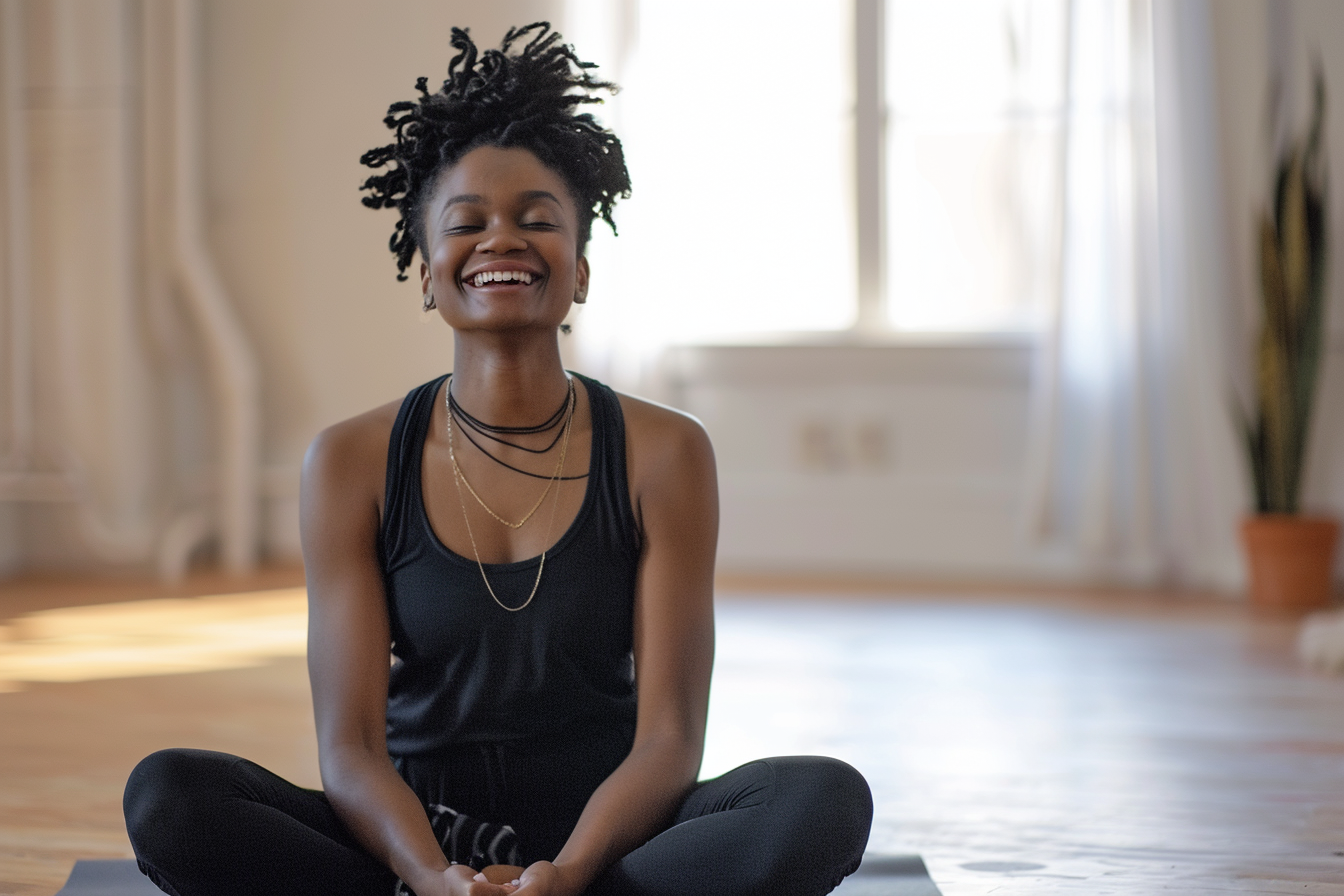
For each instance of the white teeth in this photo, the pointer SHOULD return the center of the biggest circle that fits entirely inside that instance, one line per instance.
(485, 277)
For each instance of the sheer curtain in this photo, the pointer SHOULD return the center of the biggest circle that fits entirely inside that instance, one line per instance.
(736, 120)
(1133, 462)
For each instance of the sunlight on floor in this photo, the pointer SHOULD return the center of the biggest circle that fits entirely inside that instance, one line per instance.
(153, 637)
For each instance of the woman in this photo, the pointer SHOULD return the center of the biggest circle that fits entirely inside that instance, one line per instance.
(535, 551)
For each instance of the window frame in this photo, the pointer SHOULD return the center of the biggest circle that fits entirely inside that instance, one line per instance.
(870, 127)
(871, 130)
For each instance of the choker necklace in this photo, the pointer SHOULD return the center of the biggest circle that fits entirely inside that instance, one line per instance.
(458, 479)
(468, 423)
(487, 429)
(471, 423)
(551, 480)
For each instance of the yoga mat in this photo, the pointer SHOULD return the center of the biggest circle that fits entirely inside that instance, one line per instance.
(889, 876)
(877, 876)
(107, 877)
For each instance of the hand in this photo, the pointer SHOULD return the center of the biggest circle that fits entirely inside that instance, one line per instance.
(463, 880)
(539, 879)
(544, 879)
(500, 874)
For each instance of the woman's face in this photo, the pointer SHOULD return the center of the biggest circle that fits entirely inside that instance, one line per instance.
(502, 237)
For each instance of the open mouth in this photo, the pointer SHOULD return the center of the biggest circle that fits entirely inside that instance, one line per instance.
(484, 278)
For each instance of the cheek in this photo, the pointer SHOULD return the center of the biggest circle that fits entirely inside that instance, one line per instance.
(443, 262)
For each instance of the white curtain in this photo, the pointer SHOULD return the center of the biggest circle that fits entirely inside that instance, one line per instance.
(1133, 465)
(113, 368)
(78, 377)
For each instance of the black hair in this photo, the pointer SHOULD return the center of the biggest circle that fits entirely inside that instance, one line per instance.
(526, 99)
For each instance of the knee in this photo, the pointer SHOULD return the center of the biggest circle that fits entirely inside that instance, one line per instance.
(847, 783)
(830, 792)
(165, 786)
(821, 814)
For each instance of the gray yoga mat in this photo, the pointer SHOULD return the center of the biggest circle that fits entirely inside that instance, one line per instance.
(881, 875)
(107, 877)
(877, 876)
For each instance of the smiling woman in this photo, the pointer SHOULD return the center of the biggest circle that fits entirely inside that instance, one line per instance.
(538, 560)
(502, 237)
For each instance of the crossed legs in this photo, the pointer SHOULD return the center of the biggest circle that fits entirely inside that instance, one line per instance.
(205, 823)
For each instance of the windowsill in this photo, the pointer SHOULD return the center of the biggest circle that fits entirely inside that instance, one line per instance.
(857, 338)
(850, 359)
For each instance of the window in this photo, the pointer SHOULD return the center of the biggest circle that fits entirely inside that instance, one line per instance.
(974, 92)
(799, 168)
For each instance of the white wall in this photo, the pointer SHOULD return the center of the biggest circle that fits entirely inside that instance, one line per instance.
(869, 460)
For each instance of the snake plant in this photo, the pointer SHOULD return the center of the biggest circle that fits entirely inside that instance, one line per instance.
(1293, 255)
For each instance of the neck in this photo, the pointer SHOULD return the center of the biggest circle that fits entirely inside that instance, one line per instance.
(509, 382)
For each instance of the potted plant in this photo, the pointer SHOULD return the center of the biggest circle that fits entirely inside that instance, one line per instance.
(1290, 555)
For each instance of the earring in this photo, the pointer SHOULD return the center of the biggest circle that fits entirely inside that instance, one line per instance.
(429, 302)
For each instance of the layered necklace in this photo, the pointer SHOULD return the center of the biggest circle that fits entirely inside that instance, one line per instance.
(564, 413)
(497, 434)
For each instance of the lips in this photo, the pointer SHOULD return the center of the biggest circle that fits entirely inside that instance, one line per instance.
(506, 276)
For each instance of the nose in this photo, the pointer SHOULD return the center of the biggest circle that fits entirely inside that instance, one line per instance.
(500, 239)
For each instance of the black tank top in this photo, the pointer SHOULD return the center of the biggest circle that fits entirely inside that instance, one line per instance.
(464, 669)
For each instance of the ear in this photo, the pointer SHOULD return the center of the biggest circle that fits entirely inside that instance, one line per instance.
(581, 281)
(424, 278)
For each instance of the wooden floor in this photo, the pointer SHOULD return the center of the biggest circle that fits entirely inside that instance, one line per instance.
(1023, 743)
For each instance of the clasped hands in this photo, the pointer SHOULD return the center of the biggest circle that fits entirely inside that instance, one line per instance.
(537, 879)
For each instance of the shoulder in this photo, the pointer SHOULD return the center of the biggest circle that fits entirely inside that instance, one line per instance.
(358, 439)
(669, 457)
(662, 433)
(351, 456)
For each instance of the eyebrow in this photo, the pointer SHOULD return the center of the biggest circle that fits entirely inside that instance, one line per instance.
(529, 196)
(540, 194)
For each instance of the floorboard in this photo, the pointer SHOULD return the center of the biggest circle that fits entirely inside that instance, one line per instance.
(1022, 743)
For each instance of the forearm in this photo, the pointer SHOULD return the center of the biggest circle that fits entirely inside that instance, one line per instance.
(635, 802)
(384, 815)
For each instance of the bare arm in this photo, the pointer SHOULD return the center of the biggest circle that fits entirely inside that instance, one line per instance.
(674, 486)
(349, 648)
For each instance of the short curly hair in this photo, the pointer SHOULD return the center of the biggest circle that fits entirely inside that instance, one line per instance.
(526, 99)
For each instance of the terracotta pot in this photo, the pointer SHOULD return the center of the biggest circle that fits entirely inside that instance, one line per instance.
(1291, 559)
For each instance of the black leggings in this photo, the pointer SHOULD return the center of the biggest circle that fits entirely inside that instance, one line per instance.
(206, 823)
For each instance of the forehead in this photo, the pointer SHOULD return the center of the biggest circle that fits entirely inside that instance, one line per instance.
(500, 175)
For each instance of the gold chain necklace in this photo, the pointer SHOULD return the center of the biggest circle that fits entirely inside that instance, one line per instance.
(457, 471)
(458, 479)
